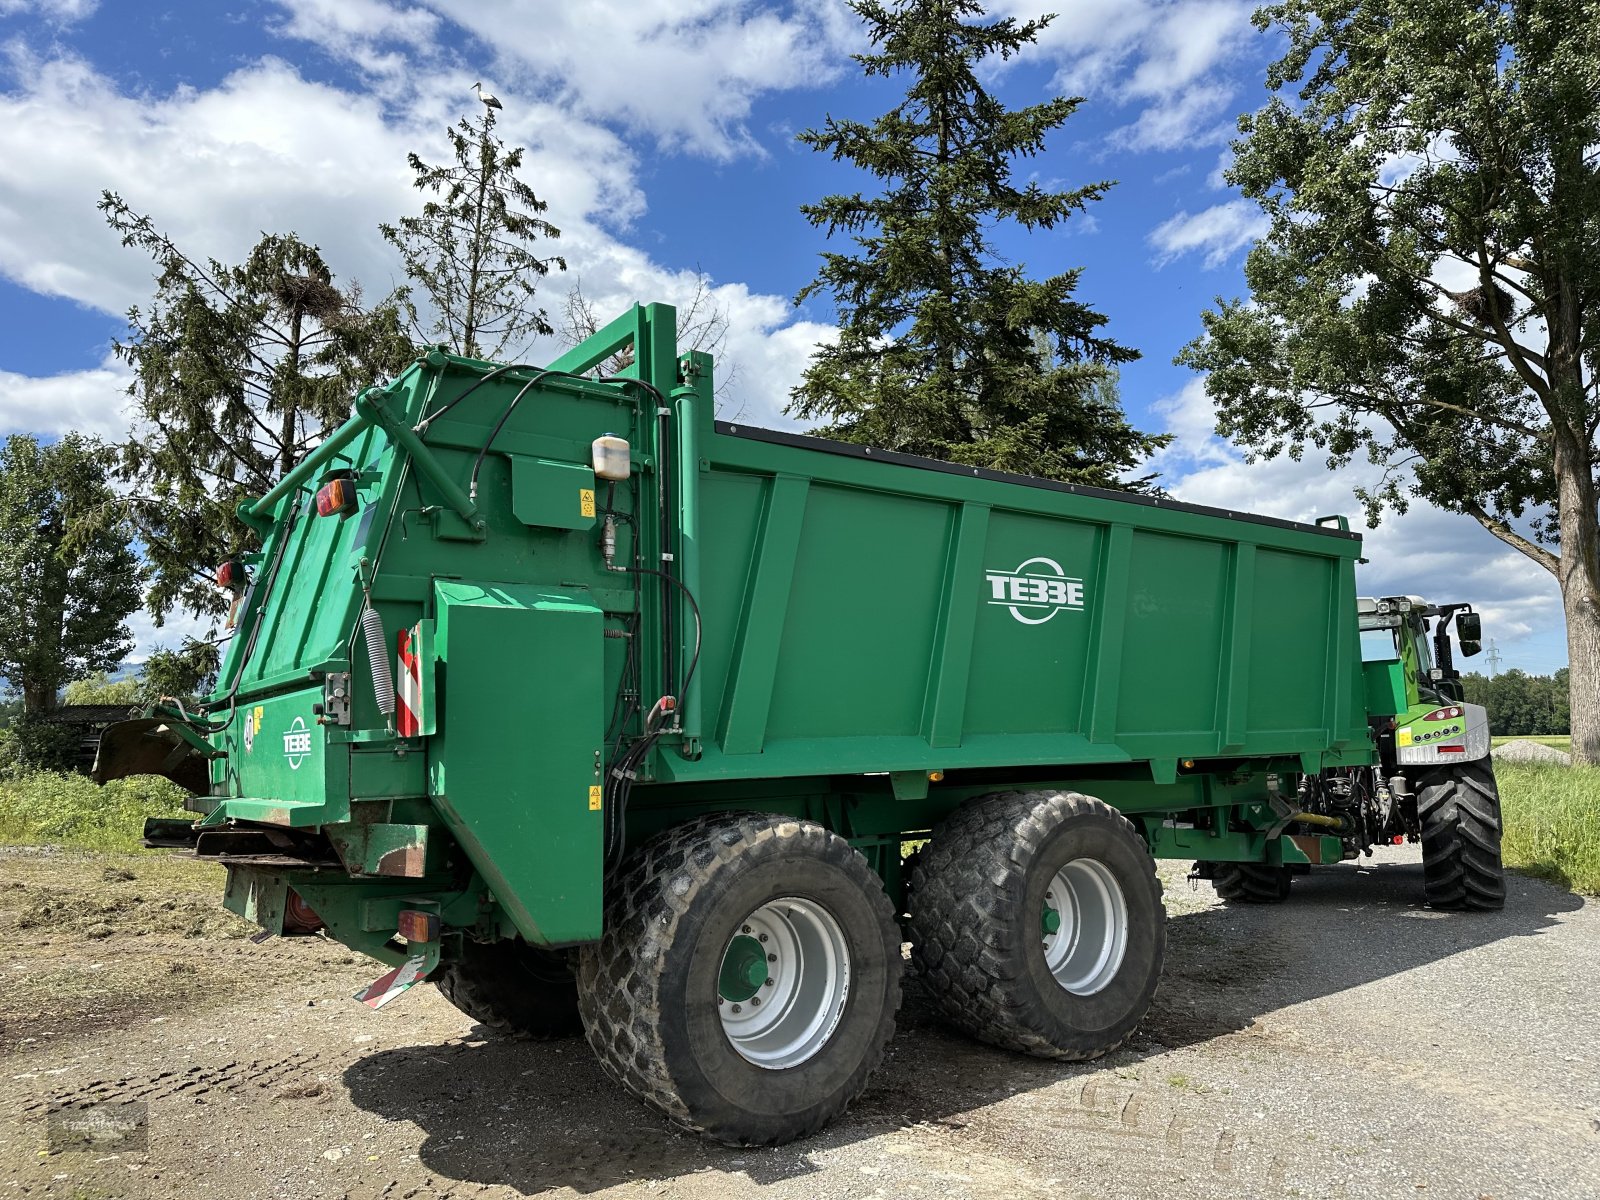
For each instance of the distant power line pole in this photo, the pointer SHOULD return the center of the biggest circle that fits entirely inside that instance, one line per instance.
(1493, 658)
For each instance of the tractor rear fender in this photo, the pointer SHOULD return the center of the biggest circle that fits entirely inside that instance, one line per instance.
(1439, 735)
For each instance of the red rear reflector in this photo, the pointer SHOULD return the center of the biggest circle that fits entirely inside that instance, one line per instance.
(1451, 749)
(336, 497)
(1397, 839)
(418, 926)
(231, 575)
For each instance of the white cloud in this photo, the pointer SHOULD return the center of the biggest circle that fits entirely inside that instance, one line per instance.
(1168, 57)
(89, 401)
(1218, 231)
(375, 35)
(685, 72)
(60, 12)
(266, 149)
(1426, 551)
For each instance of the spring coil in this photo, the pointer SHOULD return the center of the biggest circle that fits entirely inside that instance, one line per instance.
(378, 659)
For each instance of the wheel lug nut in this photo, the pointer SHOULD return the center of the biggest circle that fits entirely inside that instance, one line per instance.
(735, 1008)
(720, 1002)
(772, 958)
(763, 937)
(746, 929)
(770, 982)
(755, 1000)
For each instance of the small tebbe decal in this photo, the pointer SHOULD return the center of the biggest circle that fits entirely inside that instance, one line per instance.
(297, 743)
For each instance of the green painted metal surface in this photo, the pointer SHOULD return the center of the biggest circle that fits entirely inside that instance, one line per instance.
(520, 753)
(880, 640)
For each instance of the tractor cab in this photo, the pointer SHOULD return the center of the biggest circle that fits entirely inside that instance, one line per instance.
(1406, 653)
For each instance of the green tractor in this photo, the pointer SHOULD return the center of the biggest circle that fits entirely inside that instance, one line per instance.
(1434, 781)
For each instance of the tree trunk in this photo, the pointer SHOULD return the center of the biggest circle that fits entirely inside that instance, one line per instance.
(1579, 575)
(286, 450)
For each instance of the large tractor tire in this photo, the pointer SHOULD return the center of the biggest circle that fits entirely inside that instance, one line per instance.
(1459, 809)
(748, 979)
(1037, 923)
(513, 988)
(1251, 883)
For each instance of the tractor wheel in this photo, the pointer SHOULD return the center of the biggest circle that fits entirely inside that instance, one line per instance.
(1251, 883)
(514, 988)
(1459, 810)
(748, 978)
(1037, 923)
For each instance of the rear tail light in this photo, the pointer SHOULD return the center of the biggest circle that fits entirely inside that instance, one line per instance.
(1445, 714)
(230, 575)
(417, 926)
(1451, 749)
(298, 916)
(337, 497)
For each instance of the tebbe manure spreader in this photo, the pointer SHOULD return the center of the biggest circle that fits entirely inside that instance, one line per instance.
(597, 712)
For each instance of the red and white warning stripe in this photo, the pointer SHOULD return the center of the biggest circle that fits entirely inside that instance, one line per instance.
(408, 717)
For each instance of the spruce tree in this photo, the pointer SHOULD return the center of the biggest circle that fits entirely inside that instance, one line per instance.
(945, 349)
(470, 250)
(238, 371)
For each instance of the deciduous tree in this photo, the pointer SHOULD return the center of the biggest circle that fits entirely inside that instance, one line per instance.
(1428, 292)
(68, 575)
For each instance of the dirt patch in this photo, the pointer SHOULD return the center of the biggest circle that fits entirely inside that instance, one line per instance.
(99, 941)
(1345, 1044)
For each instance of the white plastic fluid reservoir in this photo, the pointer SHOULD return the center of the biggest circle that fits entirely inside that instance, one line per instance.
(611, 458)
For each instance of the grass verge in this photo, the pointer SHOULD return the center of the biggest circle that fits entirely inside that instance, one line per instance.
(71, 810)
(1552, 822)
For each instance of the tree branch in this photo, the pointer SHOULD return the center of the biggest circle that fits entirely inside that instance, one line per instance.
(1512, 538)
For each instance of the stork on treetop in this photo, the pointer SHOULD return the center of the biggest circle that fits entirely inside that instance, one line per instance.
(489, 100)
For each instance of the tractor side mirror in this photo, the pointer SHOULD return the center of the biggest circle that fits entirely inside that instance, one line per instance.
(1469, 631)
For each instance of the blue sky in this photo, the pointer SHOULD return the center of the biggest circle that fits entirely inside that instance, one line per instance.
(661, 133)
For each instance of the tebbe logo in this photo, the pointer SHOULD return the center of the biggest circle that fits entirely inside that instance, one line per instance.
(297, 743)
(1036, 591)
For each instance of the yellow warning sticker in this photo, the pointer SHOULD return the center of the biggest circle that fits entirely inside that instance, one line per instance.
(594, 798)
(260, 709)
(1402, 737)
(586, 507)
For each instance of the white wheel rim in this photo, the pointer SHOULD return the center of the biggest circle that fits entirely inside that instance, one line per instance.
(1085, 949)
(783, 982)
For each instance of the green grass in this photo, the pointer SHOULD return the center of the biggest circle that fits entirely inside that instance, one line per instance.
(1560, 741)
(70, 810)
(1552, 822)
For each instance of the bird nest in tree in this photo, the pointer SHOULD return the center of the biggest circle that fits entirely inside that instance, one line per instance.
(310, 294)
(1484, 306)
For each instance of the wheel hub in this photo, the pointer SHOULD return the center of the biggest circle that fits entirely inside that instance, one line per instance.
(1084, 926)
(783, 982)
(744, 970)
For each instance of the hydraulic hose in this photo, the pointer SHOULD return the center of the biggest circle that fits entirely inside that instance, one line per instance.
(1335, 823)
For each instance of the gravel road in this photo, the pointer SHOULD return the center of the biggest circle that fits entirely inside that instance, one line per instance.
(1347, 1044)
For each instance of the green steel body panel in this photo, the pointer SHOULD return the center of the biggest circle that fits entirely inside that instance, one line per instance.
(881, 638)
(518, 763)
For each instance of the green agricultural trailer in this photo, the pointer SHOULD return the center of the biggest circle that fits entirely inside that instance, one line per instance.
(551, 689)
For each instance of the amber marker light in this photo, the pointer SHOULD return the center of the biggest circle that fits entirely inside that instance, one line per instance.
(417, 926)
